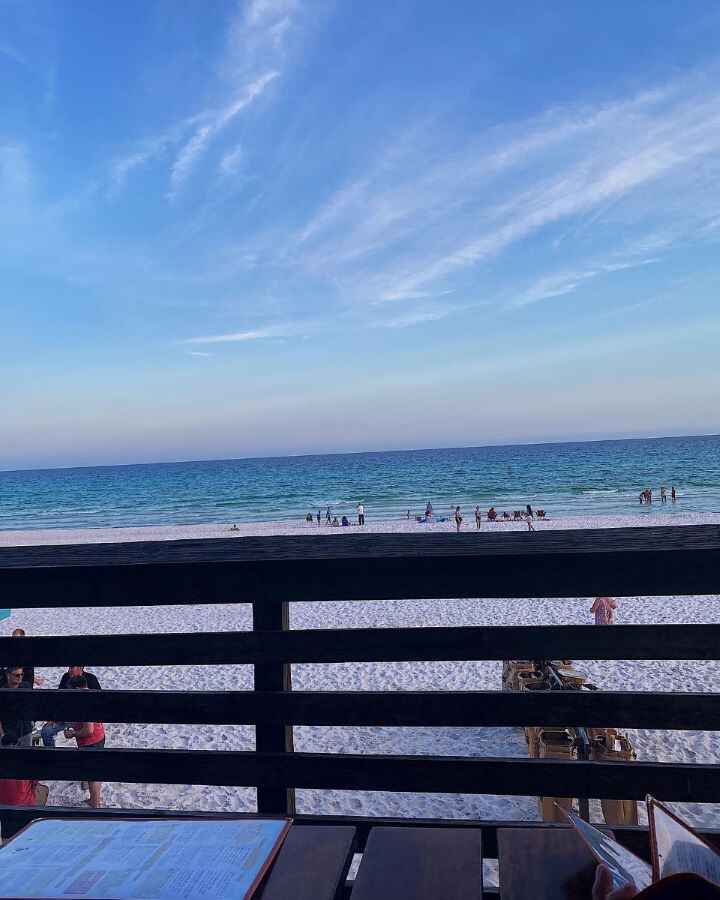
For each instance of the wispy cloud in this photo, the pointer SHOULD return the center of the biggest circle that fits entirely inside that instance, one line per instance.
(400, 185)
(413, 295)
(253, 59)
(259, 29)
(264, 12)
(236, 337)
(231, 162)
(123, 166)
(415, 317)
(150, 149)
(198, 353)
(254, 56)
(406, 227)
(559, 284)
(191, 152)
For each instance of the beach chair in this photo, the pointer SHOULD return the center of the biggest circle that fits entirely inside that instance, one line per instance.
(555, 743)
(513, 669)
(610, 745)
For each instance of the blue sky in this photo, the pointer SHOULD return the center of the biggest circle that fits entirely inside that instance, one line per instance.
(286, 226)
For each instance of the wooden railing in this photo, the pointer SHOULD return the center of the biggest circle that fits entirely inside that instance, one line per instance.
(270, 573)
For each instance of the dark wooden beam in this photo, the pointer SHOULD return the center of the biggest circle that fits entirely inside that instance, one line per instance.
(273, 735)
(368, 645)
(455, 775)
(634, 837)
(622, 561)
(274, 712)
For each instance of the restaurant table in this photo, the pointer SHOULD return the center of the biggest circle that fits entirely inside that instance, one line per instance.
(409, 863)
(544, 864)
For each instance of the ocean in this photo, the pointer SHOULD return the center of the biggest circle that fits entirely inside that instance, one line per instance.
(593, 478)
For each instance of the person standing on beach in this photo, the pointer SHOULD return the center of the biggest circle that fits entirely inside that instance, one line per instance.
(673, 494)
(89, 736)
(478, 516)
(604, 609)
(529, 511)
(328, 517)
(458, 518)
(663, 494)
(319, 516)
(361, 514)
(428, 510)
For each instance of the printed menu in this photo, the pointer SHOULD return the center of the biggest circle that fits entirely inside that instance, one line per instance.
(144, 859)
(677, 852)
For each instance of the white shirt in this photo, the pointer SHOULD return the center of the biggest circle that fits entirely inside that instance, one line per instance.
(361, 509)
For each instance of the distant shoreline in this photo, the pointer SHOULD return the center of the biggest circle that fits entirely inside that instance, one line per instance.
(115, 535)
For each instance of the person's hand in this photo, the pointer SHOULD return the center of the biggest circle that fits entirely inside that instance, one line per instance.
(603, 887)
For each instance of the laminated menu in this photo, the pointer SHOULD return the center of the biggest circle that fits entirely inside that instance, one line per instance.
(141, 859)
(681, 859)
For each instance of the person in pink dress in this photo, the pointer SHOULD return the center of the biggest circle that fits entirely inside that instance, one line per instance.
(604, 609)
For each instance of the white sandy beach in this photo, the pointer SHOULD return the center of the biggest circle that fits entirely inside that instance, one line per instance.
(49, 536)
(651, 745)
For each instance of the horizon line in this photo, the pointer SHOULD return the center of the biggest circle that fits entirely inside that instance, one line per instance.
(176, 462)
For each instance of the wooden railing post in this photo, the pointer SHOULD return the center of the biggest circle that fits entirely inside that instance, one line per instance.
(275, 676)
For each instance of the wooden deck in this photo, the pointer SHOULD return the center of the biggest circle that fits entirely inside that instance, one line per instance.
(269, 573)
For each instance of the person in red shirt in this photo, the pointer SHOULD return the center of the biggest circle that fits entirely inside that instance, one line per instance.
(89, 736)
(50, 729)
(22, 792)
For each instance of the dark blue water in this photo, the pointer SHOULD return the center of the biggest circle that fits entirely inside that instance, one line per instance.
(601, 477)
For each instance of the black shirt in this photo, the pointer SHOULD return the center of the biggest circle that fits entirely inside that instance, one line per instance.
(14, 729)
(92, 681)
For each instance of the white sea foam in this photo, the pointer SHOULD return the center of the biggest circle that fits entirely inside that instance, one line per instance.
(694, 746)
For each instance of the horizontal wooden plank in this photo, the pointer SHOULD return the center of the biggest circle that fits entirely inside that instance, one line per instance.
(336, 545)
(624, 562)
(312, 864)
(455, 775)
(620, 709)
(421, 864)
(368, 645)
(545, 865)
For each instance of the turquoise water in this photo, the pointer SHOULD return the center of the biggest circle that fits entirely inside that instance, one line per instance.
(597, 478)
